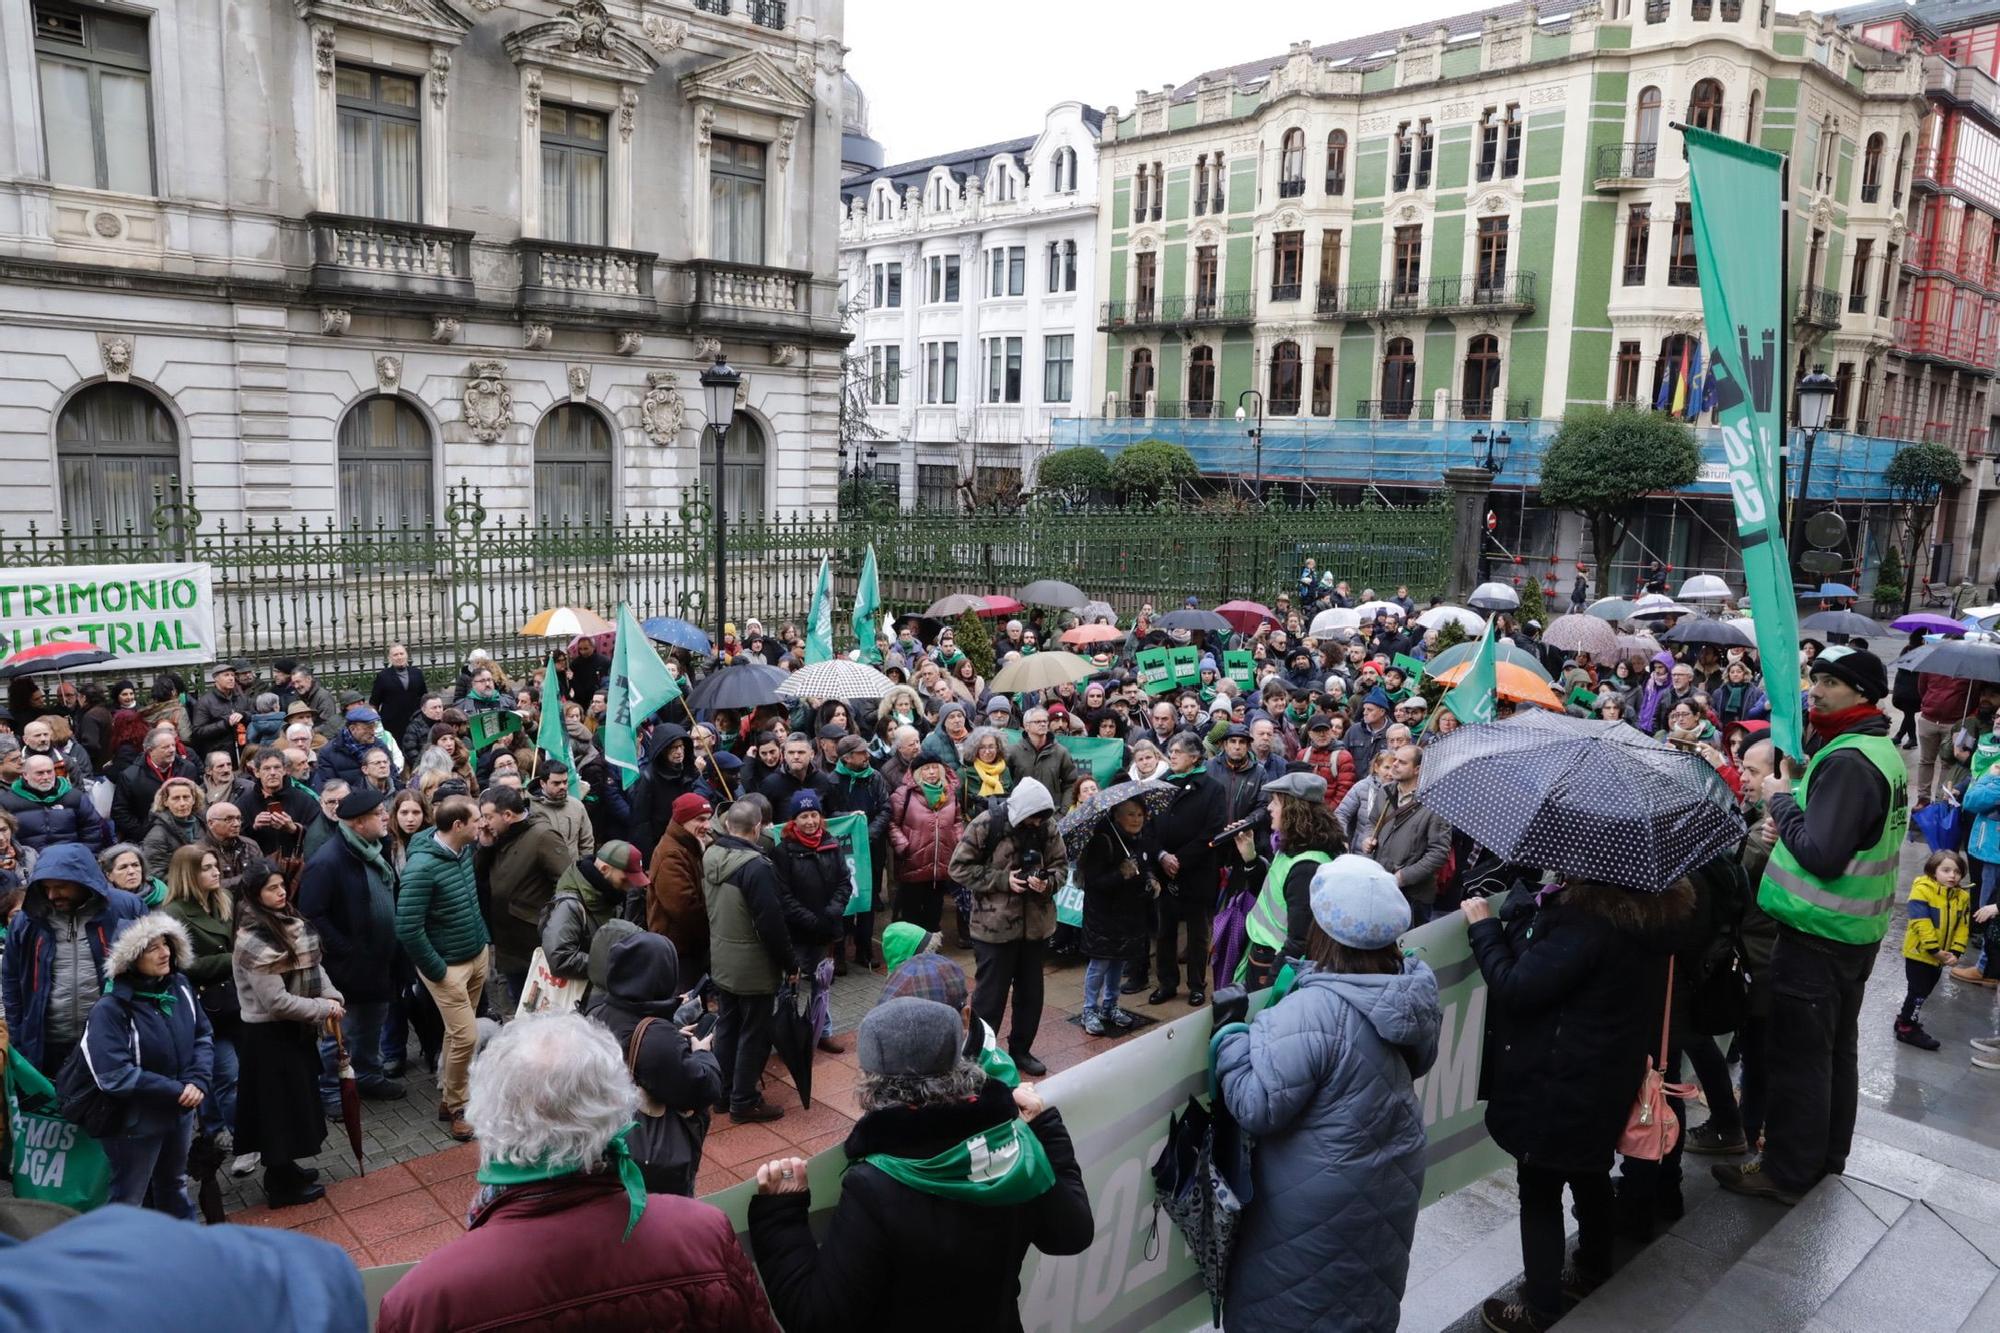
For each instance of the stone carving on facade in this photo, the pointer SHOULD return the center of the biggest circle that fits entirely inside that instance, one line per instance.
(323, 44)
(536, 337)
(333, 321)
(485, 6)
(1416, 67)
(1408, 213)
(445, 328)
(487, 401)
(787, 131)
(704, 124)
(1458, 111)
(1288, 219)
(665, 34)
(115, 350)
(388, 373)
(784, 354)
(631, 342)
(1494, 203)
(661, 411)
(707, 349)
(1504, 50)
(106, 225)
(802, 65)
(628, 113)
(1146, 241)
(1547, 94)
(743, 395)
(440, 76)
(531, 98)
(586, 29)
(579, 383)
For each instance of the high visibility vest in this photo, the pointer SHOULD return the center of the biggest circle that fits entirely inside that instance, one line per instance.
(1268, 917)
(1854, 906)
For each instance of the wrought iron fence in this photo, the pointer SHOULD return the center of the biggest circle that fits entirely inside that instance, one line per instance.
(337, 595)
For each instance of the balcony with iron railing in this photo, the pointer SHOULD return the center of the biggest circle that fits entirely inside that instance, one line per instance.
(557, 276)
(1507, 293)
(1936, 340)
(1291, 188)
(1336, 185)
(1819, 307)
(379, 258)
(1623, 164)
(767, 13)
(1287, 291)
(747, 294)
(1193, 409)
(1477, 408)
(1857, 301)
(1175, 312)
(712, 6)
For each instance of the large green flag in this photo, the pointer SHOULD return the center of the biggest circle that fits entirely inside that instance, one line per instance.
(1737, 193)
(867, 609)
(550, 738)
(638, 685)
(819, 624)
(1472, 699)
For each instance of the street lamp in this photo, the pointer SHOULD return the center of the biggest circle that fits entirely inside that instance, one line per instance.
(1256, 434)
(1490, 451)
(719, 384)
(1815, 405)
(859, 467)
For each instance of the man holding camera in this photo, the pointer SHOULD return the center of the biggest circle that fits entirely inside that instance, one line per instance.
(1012, 859)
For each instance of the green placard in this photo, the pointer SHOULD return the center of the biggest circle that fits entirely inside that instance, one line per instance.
(1412, 668)
(1103, 757)
(1582, 695)
(1240, 667)
(1187, 665)
(1156, 670)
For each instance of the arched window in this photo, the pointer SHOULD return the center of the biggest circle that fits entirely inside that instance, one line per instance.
(1399, 378)
(1871, 168)
(1705, 106)
(742, 489)
(572, 468)
(1482, 377)
(1292, 165)
(1336, 162)
(1062, 170)
(941, 193)
(1139, 380)
(1201, 382)
(114, 444)
(1646, 132)
(1674, 350)
(1282, 398)
(385, 465)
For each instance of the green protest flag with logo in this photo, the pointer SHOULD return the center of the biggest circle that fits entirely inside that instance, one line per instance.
(1240, 667)
(1583, 697)
(639, 683)
(1472, 699)
(1156, 670)
(490, 724)
(550, 738)
(1187, 665)
(1737, 194)
(1103, 757)
(851, 832)
(53, 1160)
(819, 624)
(1411, 666)
(868, 609)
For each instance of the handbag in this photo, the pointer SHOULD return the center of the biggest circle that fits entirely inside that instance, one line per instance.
(1721, 999)
(665, 1144)
(1069, 902)
(82, 1102)
(1651, 1127)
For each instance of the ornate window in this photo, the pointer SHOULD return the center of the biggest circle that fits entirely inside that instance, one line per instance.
(96, 86)
(572, 468)
(385, 465)
(742, 490)
(381, 144)
(1139, 380)
(1482, 376)
(115, 443)
(1292, 165)
(1336, 163)
(1646, 132)
(575, 157)
(1705, 106)
(1399, 378)
(1201, 382)
(1871, 168)
(1282, 397)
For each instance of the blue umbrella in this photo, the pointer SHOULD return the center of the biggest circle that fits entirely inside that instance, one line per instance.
(1830, 590)
(677, 633)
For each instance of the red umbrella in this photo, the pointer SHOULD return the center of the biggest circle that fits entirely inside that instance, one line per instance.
(59, 656)
(1244, 617)
(997, 605)
(350, 1095)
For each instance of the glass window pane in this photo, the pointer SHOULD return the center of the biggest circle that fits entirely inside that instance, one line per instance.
(351, 82)
(584, 125)
(397, 91)
(385, 465)
(587, 192)
(400, 169)
(66, 123)
(128, 132)
(555, 194)
(115, 445)
(357, 164)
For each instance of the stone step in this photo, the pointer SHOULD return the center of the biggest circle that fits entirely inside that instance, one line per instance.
(1653, 1288)
(1924, 1267)
(1985, 1313)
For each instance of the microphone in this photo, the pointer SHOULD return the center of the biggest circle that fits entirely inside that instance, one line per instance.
(1262, 819)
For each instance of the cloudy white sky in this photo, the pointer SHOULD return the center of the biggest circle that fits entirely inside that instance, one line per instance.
(947, 74)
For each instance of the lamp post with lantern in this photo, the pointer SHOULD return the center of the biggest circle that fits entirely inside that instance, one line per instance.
(719, 384)
(1815, 405)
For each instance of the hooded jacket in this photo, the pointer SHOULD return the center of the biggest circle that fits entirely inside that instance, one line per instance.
(750, 948)
(893, 1257)
(814, 886)
(53, 969)
(583, 901)
(437, 907)
(61, 814)
(1323, 1082)
(990, 851)
(643, 981)
(144, 1051)
(661, 783)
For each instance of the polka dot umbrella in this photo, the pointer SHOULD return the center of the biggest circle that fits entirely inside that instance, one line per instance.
(1586, 798)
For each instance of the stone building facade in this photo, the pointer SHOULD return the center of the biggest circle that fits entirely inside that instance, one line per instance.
(328, 259)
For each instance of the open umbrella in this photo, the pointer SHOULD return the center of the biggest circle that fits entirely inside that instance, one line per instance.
(566, 622)
(1655, 604)
(956, 604)
(62, 655)
(1195, 621)
(1504, 652)
(1582, 633)
(1629, 644)
(1705, 588)
(1440, 616)
(350, 1095)
(1700, 629)
(1928, 621)
(1083, 636)
(1951, 657)
(1333, 621)
(1829, 590)
(1493, 597)
(793, 1036)
(997, 605)
(745, 685)
(1053, 592)
(1853, 623)
(1245, 616)
(1041, 671)
(1369, 610)
(1093, 612)
(1980, 617)
(1079, 824)
(1511, 681)
(1613, 609)
(837, 678)
(677, 633)
(1587, 798)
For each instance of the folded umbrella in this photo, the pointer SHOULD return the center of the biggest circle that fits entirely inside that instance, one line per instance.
(836, 678)
(1080, 824)
(1053, 592)
(1587, 798)
(350, 1094)
(745, 685)
(677, 633)
(1582, 633)
(1245, 616)
(793, 1037)
(1041, 671)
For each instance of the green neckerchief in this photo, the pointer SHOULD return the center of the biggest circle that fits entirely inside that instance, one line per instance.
(21, 789)
(491, 697)
(370, 852)
(999, 1166)
(153, 892)
(933, 795)
(162, 997)
(997, 1063)
(845, 771)
(1191, 774)
(531, 1173)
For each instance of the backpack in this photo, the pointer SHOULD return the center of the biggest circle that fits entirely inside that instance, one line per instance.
(665, 1144)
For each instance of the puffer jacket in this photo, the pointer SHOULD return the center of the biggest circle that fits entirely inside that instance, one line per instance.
(1323, 1083)
(1940, 918)
(166, 835)
(62, 814)
(141, 1051)
(55, 961)
(554, 1256)
(437, 906)
(1982, 801)
(986, 855)
(923, 839)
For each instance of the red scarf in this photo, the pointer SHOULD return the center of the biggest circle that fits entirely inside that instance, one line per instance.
(1828, 725)
(794, 833)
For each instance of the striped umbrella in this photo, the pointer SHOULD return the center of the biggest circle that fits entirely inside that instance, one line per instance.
(566, 622)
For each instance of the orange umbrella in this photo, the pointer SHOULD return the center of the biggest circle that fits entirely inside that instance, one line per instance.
(567, 622)
(1084, 635)
(1513, 682)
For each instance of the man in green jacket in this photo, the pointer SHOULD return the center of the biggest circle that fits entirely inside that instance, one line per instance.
(750, 952)
(439, 926)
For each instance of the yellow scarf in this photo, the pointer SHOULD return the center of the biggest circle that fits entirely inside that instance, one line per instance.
(989, 776)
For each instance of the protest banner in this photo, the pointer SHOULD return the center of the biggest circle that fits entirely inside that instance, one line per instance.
(1103, 757)
(851, 832)
(1156, 670)
(145, 615)
(1187, 665)
(1240, 667)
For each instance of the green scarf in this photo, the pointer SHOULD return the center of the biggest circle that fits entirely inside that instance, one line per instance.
(847, 772)
(530, 1173)
(164, 998)
(933, 795)
(999, 1166)
(996, 1062)
(21, 789)
(370, 852)
(1189, 776)
(153, 892)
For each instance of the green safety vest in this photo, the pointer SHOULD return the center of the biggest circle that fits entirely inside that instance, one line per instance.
(1267, 923)
(1854, 906)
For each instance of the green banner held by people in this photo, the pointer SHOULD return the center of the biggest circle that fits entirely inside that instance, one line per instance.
(1472, 699)
(1737, 205)
(639, 683)
(550, 738)
(868, 609)
(851, 832)
(1156, 670)
(1240, 667)
(1187, 665)
(1102, 757)
(819, 624)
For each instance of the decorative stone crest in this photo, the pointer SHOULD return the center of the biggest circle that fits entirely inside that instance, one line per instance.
(535, 337)
(115, 350)
(802, 65)
(743, 394)
(665, 34)
(579, 383)
(628, 113)
(661, 411)
(445, 328)
(106, 225)
(487, 402)
(440, 76)
(333, 321)
(707, 349)
(631, 342)
(1289, 219)
(531, 98)
(323, 44)
(784, 354)
(787, 131)
(388, 373)
(1408, 213)
(1494, 203)
(586, 29)
(1146, 242)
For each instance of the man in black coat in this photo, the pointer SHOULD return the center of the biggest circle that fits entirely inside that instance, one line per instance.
(214, 718)
(1197, 814)
(798, 773)
(276, 811)
(348, 892)
(134, 788)
(398, 692)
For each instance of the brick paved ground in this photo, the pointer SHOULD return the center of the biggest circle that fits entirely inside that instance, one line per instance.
(419, 1181)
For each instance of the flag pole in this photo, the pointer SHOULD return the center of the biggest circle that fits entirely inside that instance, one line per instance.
(692, 724)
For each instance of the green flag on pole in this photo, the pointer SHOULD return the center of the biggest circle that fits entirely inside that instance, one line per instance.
(1736, 202)
(867, 607)
(550, 738)
(1472, 699)
(819, 625)
(639, 683)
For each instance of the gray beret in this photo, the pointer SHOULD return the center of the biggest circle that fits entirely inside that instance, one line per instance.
(908, 1035)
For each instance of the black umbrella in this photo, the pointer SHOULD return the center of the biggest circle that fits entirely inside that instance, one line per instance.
(1591, 799)
(1080, 824)
(1965, 661)
(1195, 621)
(1850, 623)
(745, 685)
(1700, 629)
(793, 1036)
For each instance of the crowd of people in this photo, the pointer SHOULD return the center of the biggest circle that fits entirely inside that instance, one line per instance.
(221, 899)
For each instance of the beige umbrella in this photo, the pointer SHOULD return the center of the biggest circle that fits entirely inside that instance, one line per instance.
(1042, 671)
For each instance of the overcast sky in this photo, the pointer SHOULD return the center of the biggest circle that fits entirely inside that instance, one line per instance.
(945, 76)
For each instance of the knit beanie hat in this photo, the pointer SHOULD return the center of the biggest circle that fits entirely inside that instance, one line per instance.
(1357, 902)
(905, 939)
(908, 1035)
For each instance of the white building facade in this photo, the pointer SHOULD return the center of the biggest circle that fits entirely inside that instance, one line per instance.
(969, 281)
(332, 259)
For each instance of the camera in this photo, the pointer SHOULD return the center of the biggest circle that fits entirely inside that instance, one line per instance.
(1031, 866)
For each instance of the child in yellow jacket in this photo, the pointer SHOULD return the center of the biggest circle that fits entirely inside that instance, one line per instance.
(1940, 922)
